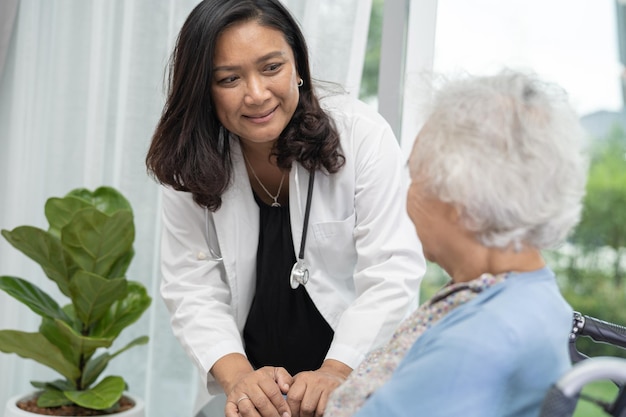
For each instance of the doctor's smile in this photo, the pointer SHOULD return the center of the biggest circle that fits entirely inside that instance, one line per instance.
(262, 117)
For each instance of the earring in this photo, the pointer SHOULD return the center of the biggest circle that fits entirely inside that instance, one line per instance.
(301, 82)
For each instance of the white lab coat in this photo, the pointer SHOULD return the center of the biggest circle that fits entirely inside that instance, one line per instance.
(364, 257)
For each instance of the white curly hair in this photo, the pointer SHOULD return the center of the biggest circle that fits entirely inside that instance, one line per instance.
(507, 151)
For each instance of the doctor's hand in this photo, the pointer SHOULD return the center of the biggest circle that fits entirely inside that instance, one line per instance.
(308, 395)
(251, 393)
(259, 393)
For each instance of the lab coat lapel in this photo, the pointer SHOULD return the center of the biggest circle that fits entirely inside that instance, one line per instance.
(237, 223)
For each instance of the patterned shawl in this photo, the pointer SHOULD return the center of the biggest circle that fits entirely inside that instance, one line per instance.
(379, 365)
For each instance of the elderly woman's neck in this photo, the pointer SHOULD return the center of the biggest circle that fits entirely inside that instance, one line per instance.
(483, 260)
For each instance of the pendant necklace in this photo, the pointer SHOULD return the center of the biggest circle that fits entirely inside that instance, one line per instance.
(280, 187)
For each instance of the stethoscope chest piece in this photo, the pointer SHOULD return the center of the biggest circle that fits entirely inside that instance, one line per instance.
(299, 274)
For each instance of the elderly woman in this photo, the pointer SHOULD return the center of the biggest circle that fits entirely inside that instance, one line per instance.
(497, 175)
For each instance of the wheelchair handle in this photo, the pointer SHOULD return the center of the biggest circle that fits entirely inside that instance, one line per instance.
(561, 399)
(599, 330)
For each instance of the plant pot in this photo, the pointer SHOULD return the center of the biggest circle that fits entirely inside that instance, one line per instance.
(12, 410)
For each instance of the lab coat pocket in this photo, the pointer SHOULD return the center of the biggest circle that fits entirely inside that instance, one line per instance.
(336, 247)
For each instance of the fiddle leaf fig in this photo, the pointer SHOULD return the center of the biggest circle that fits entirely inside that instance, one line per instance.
(35, 346)
(86, 250)
(59, 384)
(123, 312)
(95, 366)
(52, 397)
(60, 211)
(45, 249)
(105, 199)
(92, 295)
(100, 397)
(96, 240)
(29, 294)
(68, 338)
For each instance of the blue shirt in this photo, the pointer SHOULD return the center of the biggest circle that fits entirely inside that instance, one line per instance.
(495, 356)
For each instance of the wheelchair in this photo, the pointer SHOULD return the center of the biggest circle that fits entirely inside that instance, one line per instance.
(563, 397)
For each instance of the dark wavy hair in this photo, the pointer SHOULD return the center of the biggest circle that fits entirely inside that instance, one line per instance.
(190, 149)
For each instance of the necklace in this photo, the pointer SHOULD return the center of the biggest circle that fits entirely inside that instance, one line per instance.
(280, 187)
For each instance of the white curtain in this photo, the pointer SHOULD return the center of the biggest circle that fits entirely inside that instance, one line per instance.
(80, 94)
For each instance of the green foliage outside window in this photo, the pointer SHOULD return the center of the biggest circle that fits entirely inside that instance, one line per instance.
(369, 81)
(592, 272)
(603, 223)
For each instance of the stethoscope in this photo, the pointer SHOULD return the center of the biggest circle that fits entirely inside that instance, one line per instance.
(300, 270)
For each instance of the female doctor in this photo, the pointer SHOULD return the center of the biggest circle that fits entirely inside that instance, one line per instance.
(287, 254)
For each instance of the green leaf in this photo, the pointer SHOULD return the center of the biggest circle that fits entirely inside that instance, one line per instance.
(96, 366)
(95, 240)
(50, 330)
(33, 297)
(72, 342)
(106, 199)
(52, 398)
(123, 312)
(36, 347)
(60, 211)
(45, 249)
(141, 340)
(104, 395)
(92, 295)
(120, 266)
(59, 385)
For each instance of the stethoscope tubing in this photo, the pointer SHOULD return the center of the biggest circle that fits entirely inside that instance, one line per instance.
(307, 211)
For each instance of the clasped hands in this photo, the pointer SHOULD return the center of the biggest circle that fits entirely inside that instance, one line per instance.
(273, 392)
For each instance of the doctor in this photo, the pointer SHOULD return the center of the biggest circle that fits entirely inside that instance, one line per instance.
(287, 254)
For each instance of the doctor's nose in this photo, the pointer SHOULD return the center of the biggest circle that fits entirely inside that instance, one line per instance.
(256, 91)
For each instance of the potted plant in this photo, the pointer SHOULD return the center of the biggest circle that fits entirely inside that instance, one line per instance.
(86, 251)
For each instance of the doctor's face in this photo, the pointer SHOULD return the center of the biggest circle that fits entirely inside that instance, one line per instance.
(255, 82)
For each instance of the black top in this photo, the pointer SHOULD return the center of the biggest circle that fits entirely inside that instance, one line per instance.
(283, 328)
